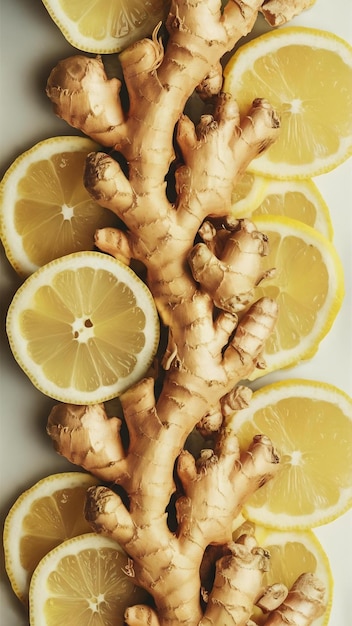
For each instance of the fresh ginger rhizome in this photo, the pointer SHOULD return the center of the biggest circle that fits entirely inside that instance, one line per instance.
(202, 267)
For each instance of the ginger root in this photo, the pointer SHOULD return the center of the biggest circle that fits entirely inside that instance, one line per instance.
(167, 508)
(304, 603)
(278, 12)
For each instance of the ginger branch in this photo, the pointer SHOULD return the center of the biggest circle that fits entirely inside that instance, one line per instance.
(304, 603)
(202, 268)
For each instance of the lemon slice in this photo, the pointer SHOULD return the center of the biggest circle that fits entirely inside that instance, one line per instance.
(310, 425)
(83, 581)
(41, 518)
(292, 553)
(46, 212)
(308, 285)
(83, 327)
(306, 74)
(105, 26)
(298, 199)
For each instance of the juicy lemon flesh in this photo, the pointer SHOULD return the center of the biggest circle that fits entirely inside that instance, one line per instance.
(300, 286)
(293, 204)
(100, 19)
(309, 435)
(50, 521)
(54, 213)
(303, 104)
(89, 588)
(68, 325)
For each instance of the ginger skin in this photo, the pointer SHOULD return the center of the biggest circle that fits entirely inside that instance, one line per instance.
(199, 289)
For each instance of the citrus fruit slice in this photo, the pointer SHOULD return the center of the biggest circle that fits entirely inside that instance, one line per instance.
(46, 212)
(41, 518)
(83, 327)
(293, 68)
(83, 581)
(292, 553)
(310, 425)
(298, 199)
(105, 26)
(308, 284)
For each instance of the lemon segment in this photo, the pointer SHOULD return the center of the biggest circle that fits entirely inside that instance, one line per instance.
(83, 581)
(310, 425)
(43, 516)
(46, 212)
(105, 26)
(83, 327)
(308, 284)
(293, 68)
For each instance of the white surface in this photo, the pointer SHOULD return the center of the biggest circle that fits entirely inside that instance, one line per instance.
(30, 46)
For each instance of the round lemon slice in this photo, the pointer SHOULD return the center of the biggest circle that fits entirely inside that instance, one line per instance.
(294, 68)
(105, 26)
(310, 425)
(46, 212)
(308, 284)
(43, 516)
(84, 328)
(83, 581)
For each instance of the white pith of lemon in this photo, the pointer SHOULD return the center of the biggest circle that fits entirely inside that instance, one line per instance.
(84, 328)
(83, 581)
(105, 26)
(42, 517)
(308, 284)
(292, 68)
(297, 199)
(46, 212)
(310, 425)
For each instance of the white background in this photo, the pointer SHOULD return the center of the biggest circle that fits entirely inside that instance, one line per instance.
(31, 45)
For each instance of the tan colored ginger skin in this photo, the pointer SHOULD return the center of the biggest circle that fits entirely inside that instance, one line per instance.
(199, 290)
